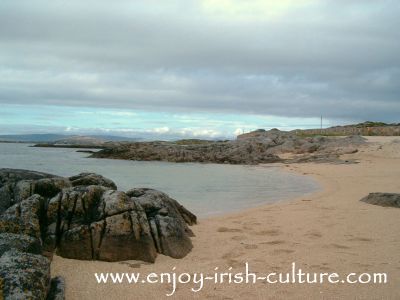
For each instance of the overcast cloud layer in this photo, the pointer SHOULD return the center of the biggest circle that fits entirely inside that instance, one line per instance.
(298, 58)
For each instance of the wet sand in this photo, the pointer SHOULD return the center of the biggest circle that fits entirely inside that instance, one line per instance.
(328, 231)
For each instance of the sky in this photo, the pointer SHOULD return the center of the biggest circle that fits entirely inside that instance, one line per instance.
(204, 69)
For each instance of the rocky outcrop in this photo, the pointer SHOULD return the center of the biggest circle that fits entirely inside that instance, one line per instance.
(251, 148)
(81, 217)
(366, 128)
(306, 149)
(222, 152)
(14, 185)
(383, 199)
(24, 275)
(20, 242)
(24, 271)
(91, 222)
(23, 217)
(92, 179)
(168, 221)
(276, 141)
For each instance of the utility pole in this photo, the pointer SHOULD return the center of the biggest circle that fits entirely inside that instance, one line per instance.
(321, 124)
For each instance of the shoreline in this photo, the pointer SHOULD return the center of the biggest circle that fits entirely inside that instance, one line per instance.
(285, 168)
(327, 231)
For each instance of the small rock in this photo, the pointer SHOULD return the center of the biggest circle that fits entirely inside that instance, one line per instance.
(57, 289)
(383, 199)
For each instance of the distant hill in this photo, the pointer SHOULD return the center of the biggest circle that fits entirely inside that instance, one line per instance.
(34, 138)
(91, 140)
(63, 139)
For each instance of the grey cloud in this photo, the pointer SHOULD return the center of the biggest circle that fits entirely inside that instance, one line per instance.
(335, 58)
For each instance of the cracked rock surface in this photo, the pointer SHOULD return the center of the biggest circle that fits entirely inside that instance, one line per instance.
(80, 217)
(24, 275)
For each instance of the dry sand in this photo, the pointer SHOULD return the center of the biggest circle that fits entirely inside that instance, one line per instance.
(329, 231)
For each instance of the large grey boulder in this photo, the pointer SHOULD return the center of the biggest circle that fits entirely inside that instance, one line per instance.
(23, 217)
(14, 185)
(383, 199)
(92, 179)
(168, 221)
(17, 185)
(91, 222)
(14, 175)
(21, 242)
(24, 275)
(79, 220)
(44, 214)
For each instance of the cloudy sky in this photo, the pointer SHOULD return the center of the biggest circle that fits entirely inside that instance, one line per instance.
(207, 68)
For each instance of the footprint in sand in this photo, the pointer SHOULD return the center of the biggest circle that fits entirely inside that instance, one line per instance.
(283, 294)
(232, 254)
(251, 223)
(271, 232)
(281, 251)
(327, 208)
(234, 263)
(339, 246)
(268, 209)
(313, 234)
(360, 239)
(225, 229)
(250, 246)
(275, 242)
(347, 253)
(322, 267)
(212, 296)
(231, 259)
(238, 238)
(362, 265)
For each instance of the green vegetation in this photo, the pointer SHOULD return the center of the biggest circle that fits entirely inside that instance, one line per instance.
(371, 124)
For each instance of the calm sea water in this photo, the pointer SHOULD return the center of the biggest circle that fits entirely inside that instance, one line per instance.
(205, 189)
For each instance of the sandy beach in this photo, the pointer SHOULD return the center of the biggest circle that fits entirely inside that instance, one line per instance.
(328, 231)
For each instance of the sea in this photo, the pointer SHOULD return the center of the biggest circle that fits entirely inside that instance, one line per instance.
(205, 189)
